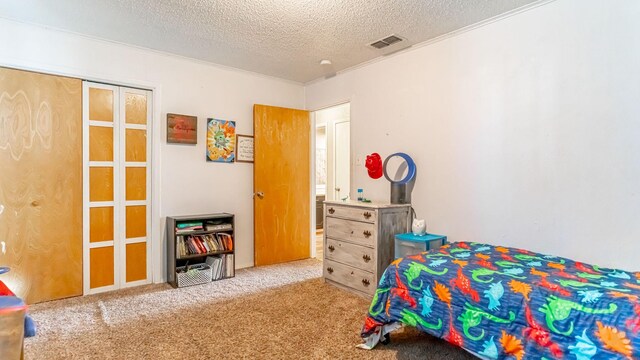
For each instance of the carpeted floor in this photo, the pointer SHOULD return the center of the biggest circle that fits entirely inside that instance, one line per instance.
(274, 312)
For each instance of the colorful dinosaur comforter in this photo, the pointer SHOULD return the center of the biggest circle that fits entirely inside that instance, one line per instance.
(498, 302)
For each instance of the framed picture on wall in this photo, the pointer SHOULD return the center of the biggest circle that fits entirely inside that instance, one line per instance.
(182, 129)
(244, 148)
(221, 140)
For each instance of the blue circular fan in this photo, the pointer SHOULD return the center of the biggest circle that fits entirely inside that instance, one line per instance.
(401, 188)
(409, 164)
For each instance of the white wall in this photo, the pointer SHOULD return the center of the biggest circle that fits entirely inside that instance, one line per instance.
(187, 184)
(525, 131)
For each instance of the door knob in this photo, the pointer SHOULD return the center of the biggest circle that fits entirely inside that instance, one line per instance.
(259, 194)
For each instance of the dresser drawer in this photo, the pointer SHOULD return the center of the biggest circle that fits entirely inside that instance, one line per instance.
(352, 231)
(360, 257)
(349, 276)
(352, 213)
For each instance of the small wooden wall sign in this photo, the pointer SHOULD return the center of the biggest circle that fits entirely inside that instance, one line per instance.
(182, 129)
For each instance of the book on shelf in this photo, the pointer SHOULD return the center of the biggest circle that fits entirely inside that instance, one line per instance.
(221, 265)
(231, 270)
(218, 227)
(226, 240)
(187, 227)
(203, 244)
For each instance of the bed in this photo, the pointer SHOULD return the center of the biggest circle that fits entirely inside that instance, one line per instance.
(497, 302)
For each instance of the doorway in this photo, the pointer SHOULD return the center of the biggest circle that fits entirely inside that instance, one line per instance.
(332, 162)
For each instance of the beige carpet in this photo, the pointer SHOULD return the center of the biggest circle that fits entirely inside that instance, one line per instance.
(275, 312)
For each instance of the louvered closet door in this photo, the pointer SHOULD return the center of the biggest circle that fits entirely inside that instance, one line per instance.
(116, 250)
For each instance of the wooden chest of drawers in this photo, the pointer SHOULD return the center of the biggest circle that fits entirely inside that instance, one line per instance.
(358, 242)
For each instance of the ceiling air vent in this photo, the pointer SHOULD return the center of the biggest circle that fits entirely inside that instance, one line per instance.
(383, 43)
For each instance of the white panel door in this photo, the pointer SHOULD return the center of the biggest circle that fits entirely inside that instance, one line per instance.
(342, 153)
(117, 187)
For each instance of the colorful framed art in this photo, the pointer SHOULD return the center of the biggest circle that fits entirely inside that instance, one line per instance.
(182, 129)
(221, 140)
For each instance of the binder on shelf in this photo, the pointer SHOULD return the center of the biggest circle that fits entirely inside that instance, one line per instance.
(231, 271)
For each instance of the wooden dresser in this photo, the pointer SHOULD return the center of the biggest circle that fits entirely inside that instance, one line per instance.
(358, 242)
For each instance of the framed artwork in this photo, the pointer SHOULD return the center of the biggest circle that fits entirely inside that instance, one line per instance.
(244, 148)
(182, 129)
(221, 140)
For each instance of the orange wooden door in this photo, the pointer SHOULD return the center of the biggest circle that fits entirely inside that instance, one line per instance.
(41, 184)
(282, 225)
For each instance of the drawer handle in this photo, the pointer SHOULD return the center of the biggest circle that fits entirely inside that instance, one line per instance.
(366, 258)
(367, 215)
(330, 270)
(331, 210)
(365, 282)
(366, 233)
(331, 248)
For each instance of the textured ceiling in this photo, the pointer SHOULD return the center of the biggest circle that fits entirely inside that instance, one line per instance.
(282, 38)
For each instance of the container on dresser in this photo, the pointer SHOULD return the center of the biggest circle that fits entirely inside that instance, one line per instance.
(358, 242)
(204, 240)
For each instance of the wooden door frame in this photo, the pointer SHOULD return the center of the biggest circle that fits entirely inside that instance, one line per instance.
(157, 223)
(312, 153)
(312, 186)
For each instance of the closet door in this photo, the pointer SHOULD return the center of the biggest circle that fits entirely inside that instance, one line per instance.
(135, 156)
(101, 186)
(41, 184)
(116, 250)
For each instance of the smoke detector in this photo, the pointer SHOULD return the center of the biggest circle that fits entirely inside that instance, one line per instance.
(386, 41)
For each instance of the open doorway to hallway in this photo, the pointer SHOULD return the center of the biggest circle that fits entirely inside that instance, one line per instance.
(332, 162)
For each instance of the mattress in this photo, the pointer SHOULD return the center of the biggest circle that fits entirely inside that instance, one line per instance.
(498, 302)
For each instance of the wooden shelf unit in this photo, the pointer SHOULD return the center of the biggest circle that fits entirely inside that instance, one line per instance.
(173, 261)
